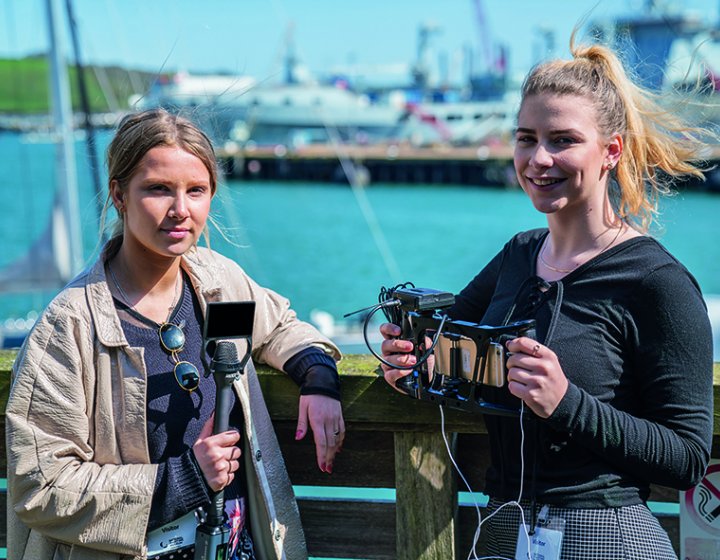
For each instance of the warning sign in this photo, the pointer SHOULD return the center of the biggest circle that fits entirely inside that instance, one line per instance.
(700, 518)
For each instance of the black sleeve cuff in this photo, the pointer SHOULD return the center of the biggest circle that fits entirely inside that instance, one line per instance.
(314, 372)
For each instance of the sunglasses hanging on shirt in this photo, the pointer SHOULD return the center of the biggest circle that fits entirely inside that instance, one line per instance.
(172, 340)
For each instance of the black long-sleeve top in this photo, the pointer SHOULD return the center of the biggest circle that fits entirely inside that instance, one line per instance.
(632, 335)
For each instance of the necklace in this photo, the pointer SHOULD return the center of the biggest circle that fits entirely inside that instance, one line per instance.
(171, 335)
(126, 299)
(568, 270)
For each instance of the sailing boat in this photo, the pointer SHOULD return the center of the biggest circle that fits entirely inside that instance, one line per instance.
(56, 256)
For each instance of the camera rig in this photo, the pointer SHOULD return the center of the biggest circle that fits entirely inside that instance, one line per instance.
(458, 364)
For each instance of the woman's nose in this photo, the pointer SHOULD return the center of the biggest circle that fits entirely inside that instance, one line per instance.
(541, 157)
(179, 209)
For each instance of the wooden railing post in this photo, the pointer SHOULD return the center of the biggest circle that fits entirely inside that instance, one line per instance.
(426, 497)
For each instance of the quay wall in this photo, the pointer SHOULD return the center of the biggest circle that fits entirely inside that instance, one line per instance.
(486, 166)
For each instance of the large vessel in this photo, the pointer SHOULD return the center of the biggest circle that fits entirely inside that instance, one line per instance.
(301, 110)
(240, 109)
(674, 52)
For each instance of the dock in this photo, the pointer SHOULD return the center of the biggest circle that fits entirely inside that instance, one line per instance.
(393, 493)
(477, 166)
(378, 163)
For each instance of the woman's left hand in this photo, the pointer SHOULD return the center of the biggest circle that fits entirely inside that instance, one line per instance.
(324, 415)
(535, 375)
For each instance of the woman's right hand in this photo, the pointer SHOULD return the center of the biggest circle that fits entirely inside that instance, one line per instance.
(396, 351)
(217, 455)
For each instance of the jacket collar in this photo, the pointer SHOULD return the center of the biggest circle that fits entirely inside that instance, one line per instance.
(205, 275)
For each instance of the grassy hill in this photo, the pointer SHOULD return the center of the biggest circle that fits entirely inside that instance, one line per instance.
(24, 86)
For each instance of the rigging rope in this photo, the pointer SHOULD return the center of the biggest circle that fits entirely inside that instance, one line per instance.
(357, 184)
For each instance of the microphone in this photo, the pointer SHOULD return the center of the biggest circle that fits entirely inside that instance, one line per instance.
(211, 536)
(225, 368)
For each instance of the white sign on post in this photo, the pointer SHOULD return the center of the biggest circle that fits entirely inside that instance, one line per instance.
(700, 517)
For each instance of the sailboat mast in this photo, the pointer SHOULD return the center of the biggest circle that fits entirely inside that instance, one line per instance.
(65, 164)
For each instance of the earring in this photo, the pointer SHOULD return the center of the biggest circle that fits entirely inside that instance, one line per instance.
(120, 203)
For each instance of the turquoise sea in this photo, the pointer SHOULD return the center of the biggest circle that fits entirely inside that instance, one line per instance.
(328, 247)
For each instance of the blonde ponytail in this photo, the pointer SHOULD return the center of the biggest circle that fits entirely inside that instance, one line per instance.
(659, 146)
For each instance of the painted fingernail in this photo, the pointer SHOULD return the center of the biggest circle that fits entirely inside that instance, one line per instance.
(329, 468)
(298, 434)
(322, 467)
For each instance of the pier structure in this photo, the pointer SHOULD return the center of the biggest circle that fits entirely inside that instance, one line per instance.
(482, 166)
(377, 163)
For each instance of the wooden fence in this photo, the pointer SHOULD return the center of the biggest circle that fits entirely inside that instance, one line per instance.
(392, 442)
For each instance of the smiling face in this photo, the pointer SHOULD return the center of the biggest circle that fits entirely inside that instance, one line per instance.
(560, 157)
(166, 203)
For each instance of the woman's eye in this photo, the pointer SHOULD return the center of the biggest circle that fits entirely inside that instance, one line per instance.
(524, 139)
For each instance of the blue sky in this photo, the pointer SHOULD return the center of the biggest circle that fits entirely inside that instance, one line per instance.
(248, 36)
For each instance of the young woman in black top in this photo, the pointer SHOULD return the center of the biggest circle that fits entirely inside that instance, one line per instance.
(619, 380)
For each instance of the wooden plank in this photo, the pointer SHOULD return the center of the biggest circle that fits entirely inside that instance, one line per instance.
(473, 459)
(367, 471)
(368, 401)
(349, 529)
(3, 453)
(3, 520)
(366, 459)
(426, 498)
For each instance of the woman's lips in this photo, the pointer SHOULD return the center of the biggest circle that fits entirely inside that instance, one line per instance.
(544, 182)
(177, 233)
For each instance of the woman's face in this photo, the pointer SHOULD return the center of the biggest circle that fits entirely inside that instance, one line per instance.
(560, 157)
(166, 203)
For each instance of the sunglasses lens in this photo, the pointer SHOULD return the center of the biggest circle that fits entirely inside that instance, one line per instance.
(187, 375)
(172, 337)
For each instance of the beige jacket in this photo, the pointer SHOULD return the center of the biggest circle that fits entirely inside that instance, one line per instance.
(80, 483)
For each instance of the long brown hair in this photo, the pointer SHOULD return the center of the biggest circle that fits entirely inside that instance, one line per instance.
(137, 134)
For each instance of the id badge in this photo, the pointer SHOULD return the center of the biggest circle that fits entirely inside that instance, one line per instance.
(545, 542)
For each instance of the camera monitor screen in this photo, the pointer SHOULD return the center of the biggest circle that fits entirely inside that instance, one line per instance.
(229, 319)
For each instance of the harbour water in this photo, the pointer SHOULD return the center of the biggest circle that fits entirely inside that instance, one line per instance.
(328, 247)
